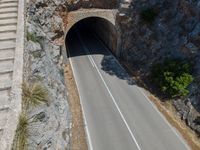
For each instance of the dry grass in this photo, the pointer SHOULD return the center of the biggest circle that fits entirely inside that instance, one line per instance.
(168, 110)
(22, 133)
(33, 95)
(78, 139)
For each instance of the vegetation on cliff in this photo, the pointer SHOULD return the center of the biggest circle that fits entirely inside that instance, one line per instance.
(173, 77)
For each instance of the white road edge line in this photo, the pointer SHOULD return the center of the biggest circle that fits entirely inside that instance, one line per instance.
(172, 128)
(113, 99)
(90, 59)
(89, 141)
(153, 105)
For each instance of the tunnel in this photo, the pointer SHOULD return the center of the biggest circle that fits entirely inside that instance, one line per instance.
(95, 27)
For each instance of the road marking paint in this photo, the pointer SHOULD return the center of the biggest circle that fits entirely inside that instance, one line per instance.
(165, 120)
(89, 141)
(154, 107)
(113, 99)
(91, 60)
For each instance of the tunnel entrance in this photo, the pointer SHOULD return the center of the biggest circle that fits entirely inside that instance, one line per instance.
(94, 27)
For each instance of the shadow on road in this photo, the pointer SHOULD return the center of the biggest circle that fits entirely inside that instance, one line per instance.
(109, 63)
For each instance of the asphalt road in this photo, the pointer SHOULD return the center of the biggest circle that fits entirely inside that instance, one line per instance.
(117, 114)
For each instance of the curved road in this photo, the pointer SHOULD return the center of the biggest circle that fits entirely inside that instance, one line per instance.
(118, 115)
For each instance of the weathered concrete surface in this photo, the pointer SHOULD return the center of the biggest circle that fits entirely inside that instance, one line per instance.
(11, 66)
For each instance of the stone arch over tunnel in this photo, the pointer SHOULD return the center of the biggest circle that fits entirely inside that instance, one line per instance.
(100, 22)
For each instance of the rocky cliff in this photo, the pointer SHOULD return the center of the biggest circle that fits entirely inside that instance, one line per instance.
(174, 33)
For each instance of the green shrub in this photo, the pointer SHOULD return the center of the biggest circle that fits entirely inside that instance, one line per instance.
(21, 133)
(149, 15)
(33, 95)
(32, 37)
(173, 77)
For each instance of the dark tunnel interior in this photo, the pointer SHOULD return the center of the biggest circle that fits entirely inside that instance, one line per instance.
(89, 32)
(93, 27)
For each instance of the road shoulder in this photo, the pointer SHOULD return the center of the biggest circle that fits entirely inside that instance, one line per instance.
(168, 111)
(78, 139)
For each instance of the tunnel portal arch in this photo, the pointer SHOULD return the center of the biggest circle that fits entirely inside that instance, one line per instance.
(104, 22)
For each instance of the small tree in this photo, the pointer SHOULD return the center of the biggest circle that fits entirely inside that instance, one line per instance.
(173, 77)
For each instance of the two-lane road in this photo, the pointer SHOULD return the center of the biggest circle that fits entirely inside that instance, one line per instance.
(118, 115)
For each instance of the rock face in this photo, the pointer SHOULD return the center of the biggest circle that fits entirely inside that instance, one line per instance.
(50, 128)
(105, 4)
(50, 123)
(174, 33)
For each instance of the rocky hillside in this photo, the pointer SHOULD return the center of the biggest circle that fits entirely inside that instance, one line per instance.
(173, 32)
